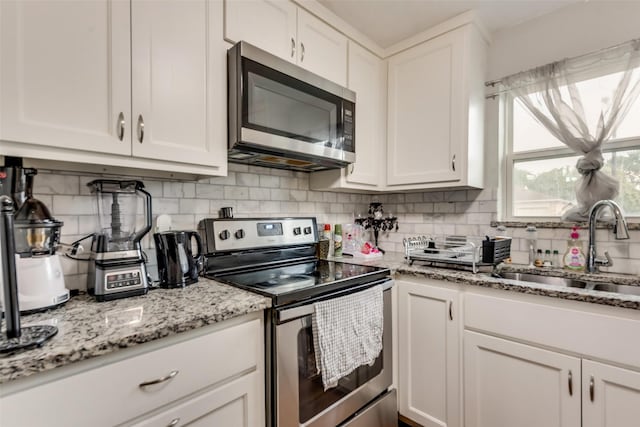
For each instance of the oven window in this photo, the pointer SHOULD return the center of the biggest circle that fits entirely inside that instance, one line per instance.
(312, 397)
(281, 105)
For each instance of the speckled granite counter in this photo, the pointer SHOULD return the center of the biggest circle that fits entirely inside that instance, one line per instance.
(89, 329)
(396, 263)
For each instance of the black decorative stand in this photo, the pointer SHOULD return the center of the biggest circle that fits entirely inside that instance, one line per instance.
(377, 221)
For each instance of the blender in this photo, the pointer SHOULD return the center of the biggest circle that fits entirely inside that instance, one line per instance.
(117, 268)
(37, 236)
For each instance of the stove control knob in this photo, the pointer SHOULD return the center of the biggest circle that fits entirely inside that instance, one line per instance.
(307, 230)
(239, 234)
(297, 231)
(224, 234)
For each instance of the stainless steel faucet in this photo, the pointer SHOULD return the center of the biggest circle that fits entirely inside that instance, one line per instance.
(620, 230)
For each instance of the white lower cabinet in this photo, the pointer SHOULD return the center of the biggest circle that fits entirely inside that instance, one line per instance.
(512, 384)
(231, 405)
(476, 357)
(211, 376)
(610, 396)
(429, 357)
(527, 362)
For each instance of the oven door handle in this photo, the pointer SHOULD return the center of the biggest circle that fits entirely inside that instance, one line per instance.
(307, 309)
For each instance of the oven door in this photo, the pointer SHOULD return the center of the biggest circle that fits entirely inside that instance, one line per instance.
(300, 398)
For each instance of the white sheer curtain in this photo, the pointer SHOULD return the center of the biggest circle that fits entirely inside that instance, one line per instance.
(551, 95)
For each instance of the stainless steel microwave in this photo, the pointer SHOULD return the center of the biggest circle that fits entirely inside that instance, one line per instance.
(283, 116)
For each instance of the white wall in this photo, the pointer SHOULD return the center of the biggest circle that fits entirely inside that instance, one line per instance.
(570, 31)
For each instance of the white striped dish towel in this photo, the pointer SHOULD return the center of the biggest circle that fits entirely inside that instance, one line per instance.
(347, 333)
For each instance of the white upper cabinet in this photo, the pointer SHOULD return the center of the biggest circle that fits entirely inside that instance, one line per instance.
(435, 112)
(321, 49)
(65, 74)
(85, 82)
(367, 78)
(178, 84)
(287, 31)
(268, 24)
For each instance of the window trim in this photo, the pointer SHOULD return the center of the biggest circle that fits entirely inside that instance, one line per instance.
(508, 158)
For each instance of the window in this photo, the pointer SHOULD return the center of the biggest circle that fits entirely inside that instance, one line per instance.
(540, 170)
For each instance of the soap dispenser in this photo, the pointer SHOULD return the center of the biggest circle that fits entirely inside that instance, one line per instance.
(574, 258)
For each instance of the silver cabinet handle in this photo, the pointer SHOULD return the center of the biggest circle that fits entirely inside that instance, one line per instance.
(301, 52)
(592, 387)
(453, 163)
(450, 310)
(570, 383)
(140, 128)
(171, 376)
(293, 47)
(174, 422)
(351, 168)
(121, 124)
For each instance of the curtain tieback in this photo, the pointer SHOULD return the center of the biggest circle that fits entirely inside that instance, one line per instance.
(590, 162)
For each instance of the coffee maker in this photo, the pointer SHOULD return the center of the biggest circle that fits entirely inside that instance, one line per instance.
(37, 236)
(117, 268)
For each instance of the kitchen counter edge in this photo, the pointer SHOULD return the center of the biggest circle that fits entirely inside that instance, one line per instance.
(396, 263)
(88, 329)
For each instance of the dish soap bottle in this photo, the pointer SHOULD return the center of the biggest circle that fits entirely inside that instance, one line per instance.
(574, 258)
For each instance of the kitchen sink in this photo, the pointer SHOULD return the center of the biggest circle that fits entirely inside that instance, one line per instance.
(571, 283)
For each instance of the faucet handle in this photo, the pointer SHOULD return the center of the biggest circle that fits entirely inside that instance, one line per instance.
(604, 262)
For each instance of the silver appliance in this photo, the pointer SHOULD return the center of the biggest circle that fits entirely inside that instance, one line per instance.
(117, 268)
(275, 257)
(283, 116)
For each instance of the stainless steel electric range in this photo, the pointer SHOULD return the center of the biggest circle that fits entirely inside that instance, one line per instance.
(275, 257)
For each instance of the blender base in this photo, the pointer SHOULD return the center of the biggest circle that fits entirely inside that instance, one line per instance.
(31, 336)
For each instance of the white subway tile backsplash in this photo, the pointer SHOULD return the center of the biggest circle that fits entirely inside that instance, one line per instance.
(256, 191)
(236, 192)
(70, 205)
(269, 181)
(248, 179)
(46, 183)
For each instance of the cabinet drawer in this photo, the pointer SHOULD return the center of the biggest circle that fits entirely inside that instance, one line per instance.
(112, 394)
(233, 404)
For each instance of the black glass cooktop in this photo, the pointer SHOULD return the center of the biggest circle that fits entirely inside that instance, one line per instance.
(297, 282)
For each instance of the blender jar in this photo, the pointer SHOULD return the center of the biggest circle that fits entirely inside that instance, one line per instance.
(119, 203)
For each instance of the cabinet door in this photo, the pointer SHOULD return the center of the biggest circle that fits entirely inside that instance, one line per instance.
(426, 112)
(512, 384)
(237, 404)
(267, 24)
(178, 81)
(610, 395)
(429, 354)
(65, 74)
(367, 78)
(321, 49)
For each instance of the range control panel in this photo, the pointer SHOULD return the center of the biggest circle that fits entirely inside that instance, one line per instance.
(223, 235)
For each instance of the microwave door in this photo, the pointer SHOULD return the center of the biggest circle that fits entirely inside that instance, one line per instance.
(288, 115)
(283, 110)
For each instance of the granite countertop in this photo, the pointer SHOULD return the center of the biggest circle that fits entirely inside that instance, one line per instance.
(397, 264)
(89, 329)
